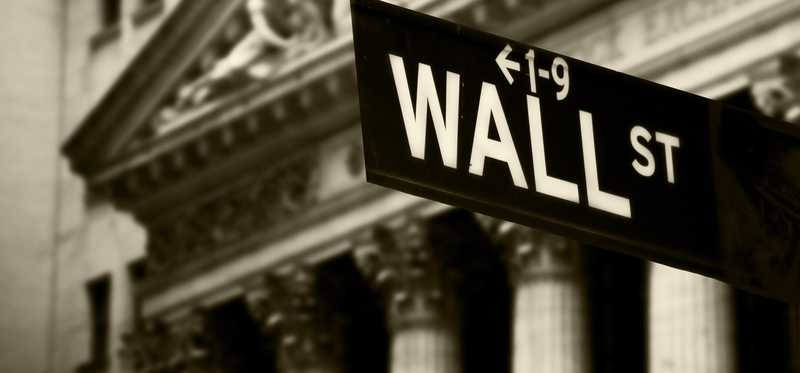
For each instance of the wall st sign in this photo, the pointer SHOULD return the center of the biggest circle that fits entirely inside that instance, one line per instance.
(523, 134)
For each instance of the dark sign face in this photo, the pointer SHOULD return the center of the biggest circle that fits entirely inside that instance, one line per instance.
(527, 135)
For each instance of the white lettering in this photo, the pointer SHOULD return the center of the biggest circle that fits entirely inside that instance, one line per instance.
(416, 120)
(544, 183)
(597, 198)
(530, 56)
(649, 168)
(670, 142)
(482, 146)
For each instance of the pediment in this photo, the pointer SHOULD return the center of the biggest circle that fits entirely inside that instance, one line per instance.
(136, 113)
(123, 117)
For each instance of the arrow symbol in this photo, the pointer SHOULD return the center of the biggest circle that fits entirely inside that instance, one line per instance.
(505, 64)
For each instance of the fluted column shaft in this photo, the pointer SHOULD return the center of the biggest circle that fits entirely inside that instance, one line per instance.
(550, 312)
(690, 323)
(418, 299)
(549, 335)
(424, 350)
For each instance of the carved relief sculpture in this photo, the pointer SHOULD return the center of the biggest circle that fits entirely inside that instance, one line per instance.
(280, 30)
(257, 202)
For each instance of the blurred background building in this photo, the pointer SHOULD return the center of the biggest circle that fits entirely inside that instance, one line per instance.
(183, 191)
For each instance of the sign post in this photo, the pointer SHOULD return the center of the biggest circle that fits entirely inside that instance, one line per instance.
(527, 135)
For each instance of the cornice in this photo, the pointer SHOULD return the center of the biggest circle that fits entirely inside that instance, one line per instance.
(227, 143)
(145, 81)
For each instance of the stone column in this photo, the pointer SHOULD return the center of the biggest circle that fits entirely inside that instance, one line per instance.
(690, 321)
(287, 306)
(550, 315)
(776, 92)
(418, 297)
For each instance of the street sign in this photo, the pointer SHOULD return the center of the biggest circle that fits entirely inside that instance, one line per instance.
(524, 134)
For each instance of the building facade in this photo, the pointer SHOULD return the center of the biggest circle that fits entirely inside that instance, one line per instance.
(213, 214)
(29, 141)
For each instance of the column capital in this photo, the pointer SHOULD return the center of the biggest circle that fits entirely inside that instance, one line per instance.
(530, 253)
(192, 343)
(145, 349)
(286, 304)
(399, 261)
(776, 88)
(181, 346)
